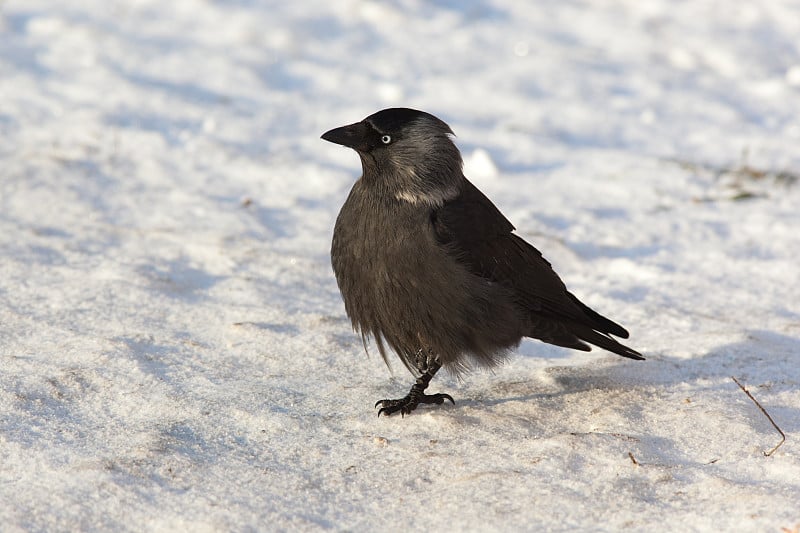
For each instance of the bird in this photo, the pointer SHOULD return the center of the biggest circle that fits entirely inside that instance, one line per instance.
(427, 265)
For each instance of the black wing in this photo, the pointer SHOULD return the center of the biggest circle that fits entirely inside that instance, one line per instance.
(481, 238)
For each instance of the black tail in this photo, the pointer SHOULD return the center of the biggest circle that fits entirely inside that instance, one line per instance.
(604, 341)
(599, 322)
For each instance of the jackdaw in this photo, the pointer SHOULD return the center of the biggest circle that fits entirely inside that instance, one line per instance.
(427, 264)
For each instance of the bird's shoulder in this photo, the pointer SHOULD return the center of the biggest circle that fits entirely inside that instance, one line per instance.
(477, 234)
(469, 217)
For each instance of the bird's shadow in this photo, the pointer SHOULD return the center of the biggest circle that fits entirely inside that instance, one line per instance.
(610, 399)
(763, 359)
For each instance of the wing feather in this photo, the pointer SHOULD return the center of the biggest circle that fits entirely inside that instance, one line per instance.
(479, 236)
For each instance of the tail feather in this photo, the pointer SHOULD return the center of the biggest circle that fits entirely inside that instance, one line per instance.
(605, 342)
(601, 323)
(576, 335)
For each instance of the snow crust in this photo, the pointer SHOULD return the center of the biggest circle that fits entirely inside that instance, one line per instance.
(174, 351)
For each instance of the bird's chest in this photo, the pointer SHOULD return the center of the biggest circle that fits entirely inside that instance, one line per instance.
(378, 254)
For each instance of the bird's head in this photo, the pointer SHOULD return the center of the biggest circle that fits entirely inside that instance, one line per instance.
(406, 154)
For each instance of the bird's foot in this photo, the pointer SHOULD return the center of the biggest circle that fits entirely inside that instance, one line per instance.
(405, 405)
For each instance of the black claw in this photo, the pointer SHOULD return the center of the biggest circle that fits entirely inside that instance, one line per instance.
(416, 395)
(405, 405)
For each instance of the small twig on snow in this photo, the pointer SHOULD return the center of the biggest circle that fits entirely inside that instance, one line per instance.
(783, 435)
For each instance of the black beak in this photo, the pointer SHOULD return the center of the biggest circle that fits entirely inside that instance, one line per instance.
(351, 136)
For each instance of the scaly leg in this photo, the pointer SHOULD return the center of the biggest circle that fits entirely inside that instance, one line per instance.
(416, 395)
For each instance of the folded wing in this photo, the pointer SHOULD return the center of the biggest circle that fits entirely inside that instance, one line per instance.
(479, 236)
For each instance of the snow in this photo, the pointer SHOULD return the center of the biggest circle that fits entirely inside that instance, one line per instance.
(175, 354)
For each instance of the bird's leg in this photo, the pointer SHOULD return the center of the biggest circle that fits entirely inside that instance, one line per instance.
(428, 366)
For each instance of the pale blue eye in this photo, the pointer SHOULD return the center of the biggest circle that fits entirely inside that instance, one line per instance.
(386, 139)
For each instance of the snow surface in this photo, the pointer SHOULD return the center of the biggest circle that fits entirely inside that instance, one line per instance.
(175, 353)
